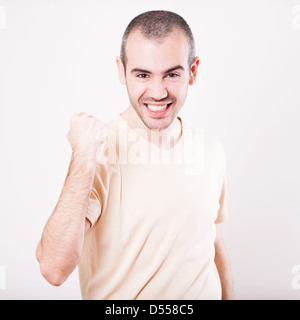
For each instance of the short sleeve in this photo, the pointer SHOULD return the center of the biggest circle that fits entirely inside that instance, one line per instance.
(99, 192)
(96, 197)
(223, 210)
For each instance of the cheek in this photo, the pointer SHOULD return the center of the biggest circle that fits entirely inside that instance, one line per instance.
(178, 90)
(136, 90)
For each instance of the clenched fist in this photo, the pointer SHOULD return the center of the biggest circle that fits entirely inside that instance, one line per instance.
(87, 135)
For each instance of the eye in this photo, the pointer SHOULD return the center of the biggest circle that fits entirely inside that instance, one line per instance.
(142, 76)
(172, 75)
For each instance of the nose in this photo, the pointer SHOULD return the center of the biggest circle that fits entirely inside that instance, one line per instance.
(157, 90)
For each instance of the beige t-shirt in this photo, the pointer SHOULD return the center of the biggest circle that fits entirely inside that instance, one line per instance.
(153, 216)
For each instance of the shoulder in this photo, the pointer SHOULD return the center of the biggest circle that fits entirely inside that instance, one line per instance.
(208, 139)
(210, 144)
(214, 143)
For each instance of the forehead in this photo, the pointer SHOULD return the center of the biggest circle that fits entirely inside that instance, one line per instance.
(157, 54)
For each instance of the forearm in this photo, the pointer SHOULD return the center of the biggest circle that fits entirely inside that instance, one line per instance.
(62, 240)
(223, 267)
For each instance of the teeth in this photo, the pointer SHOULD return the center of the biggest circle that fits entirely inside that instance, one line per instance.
(156, 108)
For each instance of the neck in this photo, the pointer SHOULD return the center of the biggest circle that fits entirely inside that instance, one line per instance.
(163, 138)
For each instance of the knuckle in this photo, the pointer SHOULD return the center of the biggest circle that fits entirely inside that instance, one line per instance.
(76, 116)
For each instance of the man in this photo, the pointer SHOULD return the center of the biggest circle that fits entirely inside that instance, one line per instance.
(142, 227)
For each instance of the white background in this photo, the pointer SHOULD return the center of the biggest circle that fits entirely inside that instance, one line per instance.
(58, 58)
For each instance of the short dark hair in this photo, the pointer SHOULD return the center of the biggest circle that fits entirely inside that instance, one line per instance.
(157, 25)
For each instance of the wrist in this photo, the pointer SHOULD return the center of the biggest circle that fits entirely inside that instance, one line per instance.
(84, 159)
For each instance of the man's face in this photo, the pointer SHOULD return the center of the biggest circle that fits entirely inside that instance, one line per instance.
(157, 76)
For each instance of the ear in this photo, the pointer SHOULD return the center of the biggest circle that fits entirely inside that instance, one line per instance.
(194, 69)
(121, 70)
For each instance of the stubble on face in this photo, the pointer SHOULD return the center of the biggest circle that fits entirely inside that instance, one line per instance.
(157, 88)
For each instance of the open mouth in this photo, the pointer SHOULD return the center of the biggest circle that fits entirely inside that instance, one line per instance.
(158, 110)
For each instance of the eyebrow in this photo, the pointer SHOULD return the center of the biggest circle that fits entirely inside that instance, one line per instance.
(179, 67)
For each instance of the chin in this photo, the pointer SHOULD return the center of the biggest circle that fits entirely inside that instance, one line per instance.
(158, 124)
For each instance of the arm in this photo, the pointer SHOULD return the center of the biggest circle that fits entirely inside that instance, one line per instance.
(61, 244)
(60, 247)
(223, 266)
